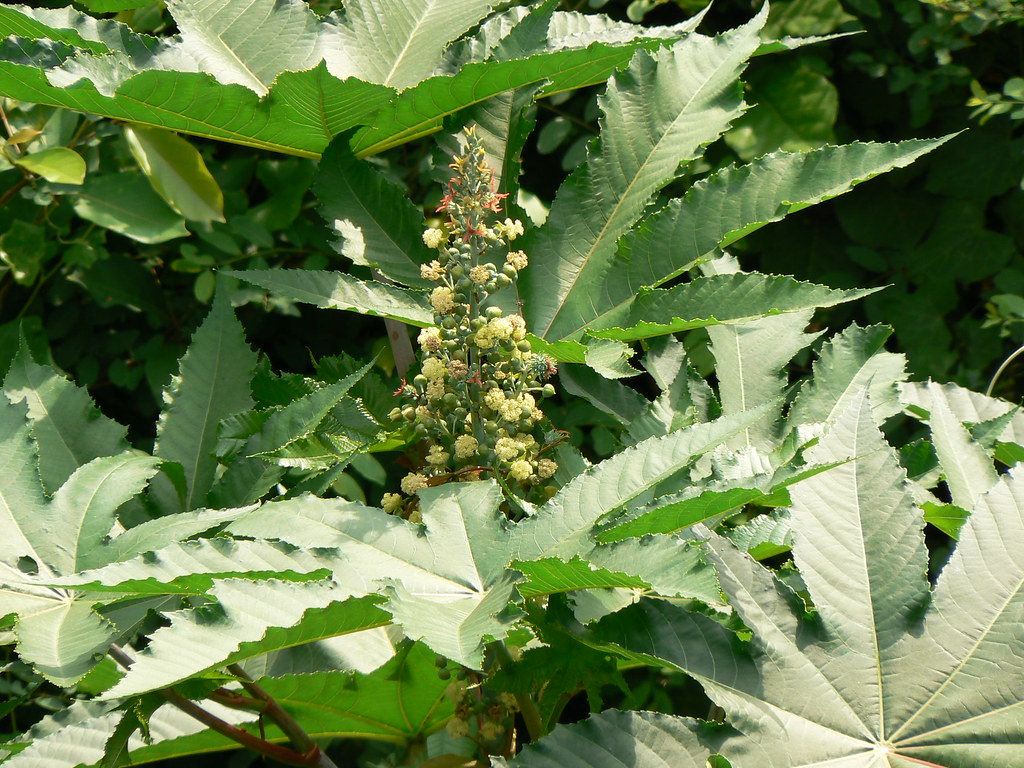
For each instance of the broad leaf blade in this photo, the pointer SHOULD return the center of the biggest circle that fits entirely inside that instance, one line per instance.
(212, 383)
(683, 97)
(83, 509)
(400, 44)
(336, 290)
(562, 526)
(378, 225)
(733, 202)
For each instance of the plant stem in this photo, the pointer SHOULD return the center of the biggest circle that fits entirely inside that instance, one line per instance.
(310, 757)
(298, 736)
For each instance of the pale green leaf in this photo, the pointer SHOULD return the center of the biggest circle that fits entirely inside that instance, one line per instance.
(720, 299)
(616, 399)
(336, 290)
(683, 97)
(749, 361)
(77, 736)
(245, 618)
(378, 225)
(967, 406)
(400, 44)
(165, 83)
(448, 585)
(66, 424)
(57, 164)
(212, 383)
(612, 739)
(848, 363)
(562, 527)
(22, 502)
(64, 640)
(610, 358)
(177, 172)
(83, 508)
(965, 464)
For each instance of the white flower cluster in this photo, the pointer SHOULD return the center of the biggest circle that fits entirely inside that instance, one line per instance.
(475, 400)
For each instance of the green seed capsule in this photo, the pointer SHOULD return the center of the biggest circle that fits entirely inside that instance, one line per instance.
(440, 661)
(444, 674)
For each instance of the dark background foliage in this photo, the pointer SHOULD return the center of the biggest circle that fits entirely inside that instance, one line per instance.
(945, 234)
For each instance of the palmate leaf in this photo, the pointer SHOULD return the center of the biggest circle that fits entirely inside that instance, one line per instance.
(58, 630)
(890, 672)
(684, 97)
(276, 77)
(212, 383)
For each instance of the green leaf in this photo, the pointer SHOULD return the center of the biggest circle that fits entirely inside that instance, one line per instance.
(22, 250)
(848, 363)
(968, 407)
(562, 527)
(378, 225)
(610, 396)
(795, 108)
(885, 661)
(610, 358)
(721, 299)
(966, 466)
(212, 383)
(726, 206)
(177, 172)
(165, 83)
(611, 739)
(749, 360)
(22, 511)
(245, 618)
(57, 164)
(78, 735)
(401, 44)
(66, 425)
(336, 290)
(126, 203)
(684, 97)
(83, 508)
(948, 518)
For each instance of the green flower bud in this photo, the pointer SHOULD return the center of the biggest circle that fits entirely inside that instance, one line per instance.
(448, 322)
(490, 427)
(494, 312)
(524, 346)
(395, 414)
(450, 399)
(548, 390)
(510, 272)
(408, 413)
(491, 286)
(502, 281)
(457, 271)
